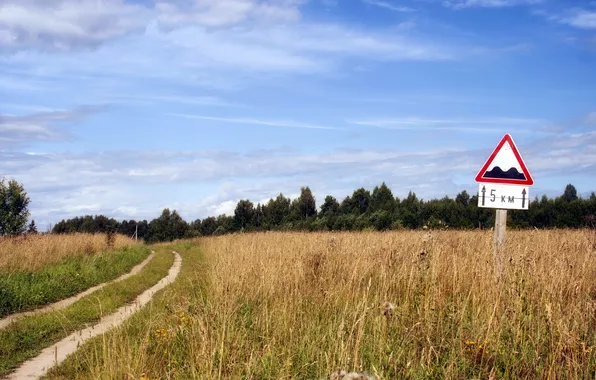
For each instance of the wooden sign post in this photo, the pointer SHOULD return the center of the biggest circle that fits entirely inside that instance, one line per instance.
(499, 241)
(503, 183)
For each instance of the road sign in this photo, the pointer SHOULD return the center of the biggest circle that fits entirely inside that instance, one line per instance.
(503, 197)
(503, 183)
(505, 166)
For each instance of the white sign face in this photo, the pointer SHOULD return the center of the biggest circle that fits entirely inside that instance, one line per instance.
(512, 197)
(505, 159)
(505, 166)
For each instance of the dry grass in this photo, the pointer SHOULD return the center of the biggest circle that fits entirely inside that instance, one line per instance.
(318, 295)
(34, 252)
(393, 305)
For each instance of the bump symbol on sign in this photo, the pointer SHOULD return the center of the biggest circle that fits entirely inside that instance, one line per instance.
(505, 166)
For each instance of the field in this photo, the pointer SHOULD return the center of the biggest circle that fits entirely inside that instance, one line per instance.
(33, 252)
(392, 305)
(38, 270)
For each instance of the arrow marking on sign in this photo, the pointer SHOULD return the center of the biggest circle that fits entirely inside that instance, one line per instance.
(483, 194)
(523, 198)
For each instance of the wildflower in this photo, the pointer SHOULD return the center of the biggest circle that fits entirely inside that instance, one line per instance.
(161, 333)
(470, 343)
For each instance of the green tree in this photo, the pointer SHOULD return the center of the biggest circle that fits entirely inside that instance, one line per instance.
(463, 198)
(14, 210)
(382, 199)
(330, 206)
(168, 227)
(381, 220)
(244, 214)
(257, 221)
(357, 204)
(570, 193)
(208, 226)
(194, 229)
(410, 211)
(277, 211)
(306, 203)
(225, 224)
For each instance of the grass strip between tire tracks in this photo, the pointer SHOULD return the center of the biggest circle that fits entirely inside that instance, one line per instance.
(138, 348)
(26, 337)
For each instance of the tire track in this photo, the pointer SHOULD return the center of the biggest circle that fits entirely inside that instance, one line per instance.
(57, 353)
(69, 301)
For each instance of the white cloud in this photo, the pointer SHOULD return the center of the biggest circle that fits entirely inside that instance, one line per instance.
(195, 100)
(226, 208)
(460, 4)
(590, 118)
(43, 126)
(220, 59)
(219, 13)
(388, 5)
(83, 208)
(582, 19)
(489, 124)
(65, 24)
(70, 24)
(252, 33)
(249, 121)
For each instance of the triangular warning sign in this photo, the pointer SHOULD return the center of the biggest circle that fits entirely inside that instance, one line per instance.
(505, 165)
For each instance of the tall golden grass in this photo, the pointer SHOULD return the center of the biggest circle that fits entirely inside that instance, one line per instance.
(313, 300)
(32, 252)
(396, 305)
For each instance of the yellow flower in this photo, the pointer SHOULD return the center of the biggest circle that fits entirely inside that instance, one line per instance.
(470, 343)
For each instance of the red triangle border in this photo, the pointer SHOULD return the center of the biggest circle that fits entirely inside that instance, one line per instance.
(528, 181)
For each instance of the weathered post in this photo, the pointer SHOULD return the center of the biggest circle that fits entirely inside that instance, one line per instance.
(499, 242)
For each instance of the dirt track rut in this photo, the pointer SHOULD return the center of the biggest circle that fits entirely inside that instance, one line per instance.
(69, 301)
(57, 353)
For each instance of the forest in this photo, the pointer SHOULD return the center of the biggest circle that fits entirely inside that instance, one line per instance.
(363, 210)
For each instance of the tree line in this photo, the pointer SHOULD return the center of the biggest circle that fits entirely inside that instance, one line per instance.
(377, 210)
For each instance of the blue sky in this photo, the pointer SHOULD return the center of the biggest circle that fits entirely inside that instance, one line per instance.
(126, 107)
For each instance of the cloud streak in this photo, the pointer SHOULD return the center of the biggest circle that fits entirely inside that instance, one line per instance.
(495, 124)
(461, 4)
(578, 18)
(44, 126)
(65, 24)
(386, 5)
(259, 122)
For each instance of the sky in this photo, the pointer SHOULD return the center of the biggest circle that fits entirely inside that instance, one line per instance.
(126, 107)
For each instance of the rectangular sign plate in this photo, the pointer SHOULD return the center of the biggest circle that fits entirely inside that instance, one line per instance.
(505, 197)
